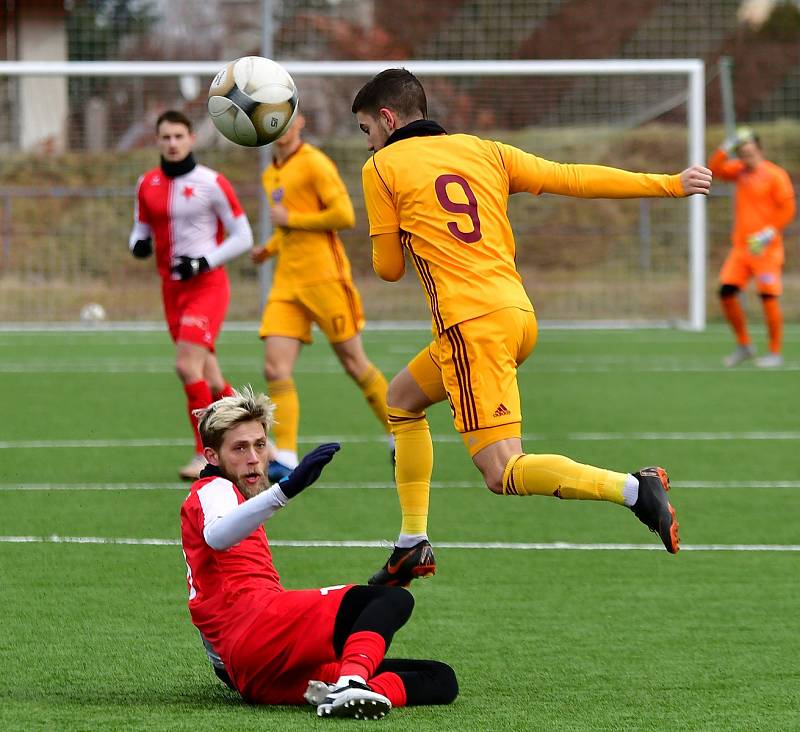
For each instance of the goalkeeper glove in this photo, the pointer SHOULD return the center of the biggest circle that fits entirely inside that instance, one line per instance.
(143, 248)
(184, 268)
(741, 136)
(309, 469)
(757, 241)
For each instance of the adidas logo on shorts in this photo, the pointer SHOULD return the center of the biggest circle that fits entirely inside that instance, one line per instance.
(501, 411)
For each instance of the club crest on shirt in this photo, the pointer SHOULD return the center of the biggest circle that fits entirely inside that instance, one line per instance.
(277, 194)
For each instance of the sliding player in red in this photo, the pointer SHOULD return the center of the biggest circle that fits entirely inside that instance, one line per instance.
(275, 646)
(190, 215)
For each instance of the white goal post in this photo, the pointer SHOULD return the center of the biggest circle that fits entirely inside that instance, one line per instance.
(691, 71)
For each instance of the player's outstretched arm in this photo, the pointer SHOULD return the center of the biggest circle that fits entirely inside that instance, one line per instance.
(235, 521)
(536, 175)
(309, 469)
(696, 179)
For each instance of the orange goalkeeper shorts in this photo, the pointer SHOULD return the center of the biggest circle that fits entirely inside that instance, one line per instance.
(766, 268)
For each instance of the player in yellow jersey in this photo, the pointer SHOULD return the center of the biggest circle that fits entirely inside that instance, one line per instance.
(312, 284)
(442, 199)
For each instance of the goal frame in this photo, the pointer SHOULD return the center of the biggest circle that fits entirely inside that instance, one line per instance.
(692, 69)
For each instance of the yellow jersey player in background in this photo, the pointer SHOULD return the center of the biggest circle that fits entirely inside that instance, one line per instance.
(442, 199)
(312, 283)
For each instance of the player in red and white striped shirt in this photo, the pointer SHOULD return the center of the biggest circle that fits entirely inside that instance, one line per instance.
(277, 646)
(192, 216)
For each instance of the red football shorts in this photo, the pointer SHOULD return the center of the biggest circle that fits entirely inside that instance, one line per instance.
(289, 642)
(195, 309)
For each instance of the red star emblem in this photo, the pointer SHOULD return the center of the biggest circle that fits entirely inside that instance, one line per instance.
(188, 192)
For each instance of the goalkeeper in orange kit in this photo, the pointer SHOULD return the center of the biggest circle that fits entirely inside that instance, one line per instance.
(764, 206)
(442, 200)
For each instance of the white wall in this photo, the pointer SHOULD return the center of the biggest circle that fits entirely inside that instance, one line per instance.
(43, 100)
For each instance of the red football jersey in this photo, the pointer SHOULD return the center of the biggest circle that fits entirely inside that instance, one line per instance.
(227, 587)
(186, 215)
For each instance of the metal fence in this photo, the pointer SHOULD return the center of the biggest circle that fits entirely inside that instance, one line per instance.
(66, 179)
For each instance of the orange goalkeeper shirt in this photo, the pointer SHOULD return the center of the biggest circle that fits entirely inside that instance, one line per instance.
(309, 251)
(447, 196)
(764, 197)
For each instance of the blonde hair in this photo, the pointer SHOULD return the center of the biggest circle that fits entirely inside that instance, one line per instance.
(220, 416)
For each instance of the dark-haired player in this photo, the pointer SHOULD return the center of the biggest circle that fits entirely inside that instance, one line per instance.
(442, 199)
(190, 216)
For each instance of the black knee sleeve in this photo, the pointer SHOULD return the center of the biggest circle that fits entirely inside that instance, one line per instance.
(728, 290)
(767, 296)
(426, 682)
(380, 609)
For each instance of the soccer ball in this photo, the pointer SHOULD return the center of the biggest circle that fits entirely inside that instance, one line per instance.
(252, 101)
(93, 312)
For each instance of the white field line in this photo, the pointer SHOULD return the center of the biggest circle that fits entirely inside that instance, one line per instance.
(679, 436)
(495, 545)
(157, 326)
(376, 485)
(556, 329)
(755, 435)
(633, 366)
(131, 442)
(548, 365)
(144, 366)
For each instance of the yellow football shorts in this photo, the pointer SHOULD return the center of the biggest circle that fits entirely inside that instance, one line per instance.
(474, 366)
(334, 306)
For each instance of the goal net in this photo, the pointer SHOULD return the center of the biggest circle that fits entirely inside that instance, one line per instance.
(80, 133)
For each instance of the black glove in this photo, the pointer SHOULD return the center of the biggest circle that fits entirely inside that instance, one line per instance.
(309, 469)
(184, 268)
(143, 248)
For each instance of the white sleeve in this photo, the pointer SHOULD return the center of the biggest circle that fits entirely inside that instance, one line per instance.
(226, 521)
(141, 230)
(238, 241)
(239, 235)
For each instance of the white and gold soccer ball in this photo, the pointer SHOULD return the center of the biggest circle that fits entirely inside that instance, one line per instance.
(252, 101)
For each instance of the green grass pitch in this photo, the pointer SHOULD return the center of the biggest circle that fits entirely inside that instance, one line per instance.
(548, 631)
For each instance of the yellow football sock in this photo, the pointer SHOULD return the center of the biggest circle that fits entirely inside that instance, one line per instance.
(373, 383)
(413, 467)
(283, 394)
(556, 475)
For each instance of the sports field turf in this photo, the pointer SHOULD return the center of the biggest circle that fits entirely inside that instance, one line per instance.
(556, 615)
